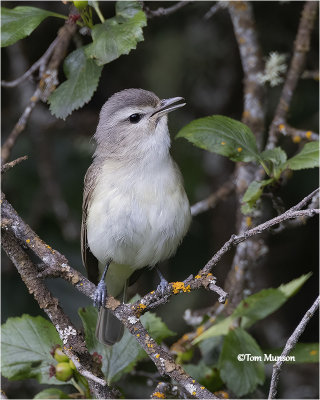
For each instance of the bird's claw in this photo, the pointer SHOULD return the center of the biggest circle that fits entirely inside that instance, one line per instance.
(162, 287)
(100, 295)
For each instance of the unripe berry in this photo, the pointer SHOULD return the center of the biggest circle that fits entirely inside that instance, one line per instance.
(63, 371)
(80, 4)
(59, 355)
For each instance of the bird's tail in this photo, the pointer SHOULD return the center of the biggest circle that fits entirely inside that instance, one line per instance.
(109, 330)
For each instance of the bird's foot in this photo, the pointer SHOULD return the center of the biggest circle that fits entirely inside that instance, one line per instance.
(162, 288)
(100, 295)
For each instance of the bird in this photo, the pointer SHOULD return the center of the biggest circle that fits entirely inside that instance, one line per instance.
(135, 210)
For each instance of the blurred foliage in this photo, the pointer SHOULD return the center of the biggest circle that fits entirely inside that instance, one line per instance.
(181, 55)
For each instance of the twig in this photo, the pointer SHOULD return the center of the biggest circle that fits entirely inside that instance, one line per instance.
(74, 344)
(310, 75)
(215, 8)
(213, 199)
(12, 164)
(297, 134)
(160, 12)
(291, 342)
(45, 86)
(166, 390)
(38, 64)
(301, 48)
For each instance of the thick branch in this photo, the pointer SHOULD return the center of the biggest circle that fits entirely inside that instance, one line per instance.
(292, 341)
(301, 48)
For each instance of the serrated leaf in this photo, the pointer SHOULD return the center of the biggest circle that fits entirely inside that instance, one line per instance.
(25, 348)
(302, 352)
(222, 135)
(255, 307)
(253, 194)
(20, 22)
(275, 160)
(82, 80)
(242, 377)
(51, 393)
(291, 288)
(122, 356)
(307, 158)
(118, 35)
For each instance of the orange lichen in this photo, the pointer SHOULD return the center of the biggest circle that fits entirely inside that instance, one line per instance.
(149, 344)
(239, 149)
(194, 393)
(159, 395)
(223, 143)
(200, 330)
(248, 221)
(222, 394)
(179, 286)
(308, 134)
(197, 277)
(246, 114)
(313, 352)
(28, 240)
(282, 127)
(157, 355)
(236, 267)
(138, 334)
(202, 387)
(296, 139)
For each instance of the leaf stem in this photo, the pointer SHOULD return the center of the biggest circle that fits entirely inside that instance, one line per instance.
(265, 168)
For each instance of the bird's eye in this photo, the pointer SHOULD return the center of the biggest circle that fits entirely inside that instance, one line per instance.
(134, 118)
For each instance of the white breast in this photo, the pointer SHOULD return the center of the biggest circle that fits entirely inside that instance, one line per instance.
(139, 214)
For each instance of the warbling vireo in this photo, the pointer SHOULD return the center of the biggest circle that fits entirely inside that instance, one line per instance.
(135, 209)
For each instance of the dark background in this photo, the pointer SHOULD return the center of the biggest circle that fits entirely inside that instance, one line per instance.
(182, 55)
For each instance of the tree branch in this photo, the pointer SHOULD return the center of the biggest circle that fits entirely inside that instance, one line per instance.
(160, 12)
(291, 342)
(214, 198)
(12, 164)
(46, 85)
(301, 48)
(297, 134)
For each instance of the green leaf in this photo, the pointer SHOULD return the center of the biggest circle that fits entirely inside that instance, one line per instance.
(253, 194)
(255, 307)
(307, 158)
(51, 393)
(82, 80)
(259, 306)
(220, 328)
(275, 160)
(242, 377)
(122, 356)
(222, 135)
(20, 22)
(302, 352)
(26, 343)
(209, 377)
(118, 35)
(291, 288)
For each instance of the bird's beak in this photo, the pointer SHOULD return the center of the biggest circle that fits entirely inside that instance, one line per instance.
(166, 106)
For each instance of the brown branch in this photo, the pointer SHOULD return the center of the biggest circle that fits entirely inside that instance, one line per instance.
(310, 75)
(40, 64)
(45, 87)
(12, 164)
(296, 134)
(160, 12)
(253, 115)
(214, 198)
(291, 342)
(74, 344)
(301, 48)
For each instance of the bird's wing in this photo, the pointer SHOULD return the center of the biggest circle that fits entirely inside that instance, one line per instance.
(89, 260)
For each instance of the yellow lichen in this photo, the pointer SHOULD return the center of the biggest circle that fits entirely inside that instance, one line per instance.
(194, 393)
(296, 139)
(159, 395)
(246, 114)
(308, 134)
(236, 267)
(157, 355)
(179, 286)
(248, 221)
(28, 240)
(197, 276)
(313, 352)
(223, 143)
(239, 149)
(202, 387)
(138, 334)
(281, 128)
(199, 330)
